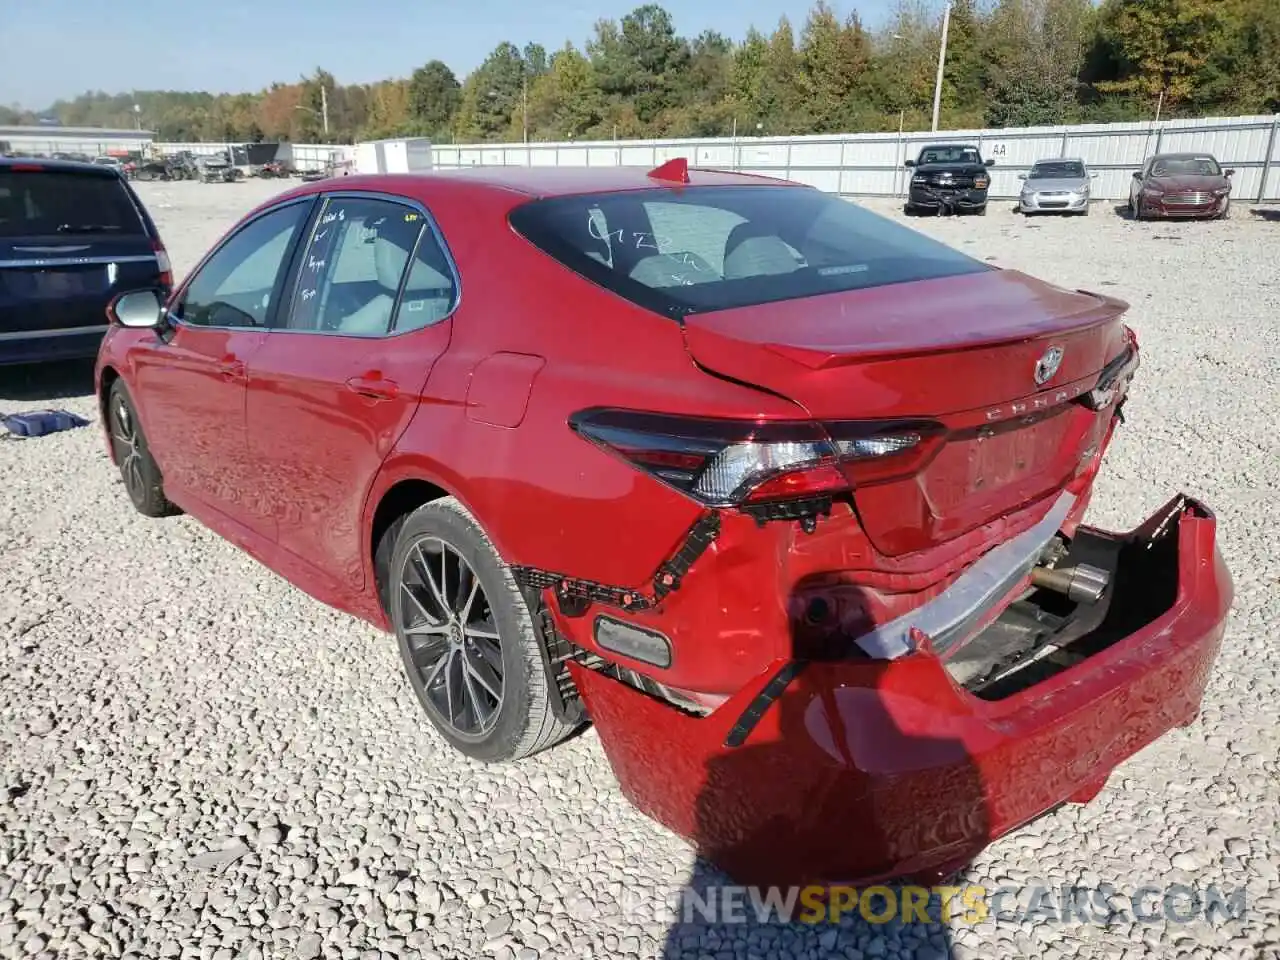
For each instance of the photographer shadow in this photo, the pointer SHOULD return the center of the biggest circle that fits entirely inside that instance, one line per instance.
(848, 773)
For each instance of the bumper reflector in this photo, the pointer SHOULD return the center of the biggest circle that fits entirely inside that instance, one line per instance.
(647, 646)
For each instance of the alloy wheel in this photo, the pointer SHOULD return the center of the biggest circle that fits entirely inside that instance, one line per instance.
(452, 636)
(124, 441)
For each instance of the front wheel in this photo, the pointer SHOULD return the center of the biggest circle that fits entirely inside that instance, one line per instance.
(142, 478)
(468, 639)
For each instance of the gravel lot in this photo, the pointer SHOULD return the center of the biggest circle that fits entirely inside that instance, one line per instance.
(197, 760)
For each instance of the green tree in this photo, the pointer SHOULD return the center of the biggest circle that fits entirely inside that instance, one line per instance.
(491, 94)
(640, 61)
(1159, 47)
(433, 97)
(834, 59)
(565, 102)
(1034, 49)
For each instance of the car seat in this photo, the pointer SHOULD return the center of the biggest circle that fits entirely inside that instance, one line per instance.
(751, 250)
(375, 316)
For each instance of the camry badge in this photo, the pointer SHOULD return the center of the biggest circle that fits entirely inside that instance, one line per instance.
(1048, 365)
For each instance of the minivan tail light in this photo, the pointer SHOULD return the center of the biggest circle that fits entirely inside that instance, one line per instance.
(162, 261)
(721, 462)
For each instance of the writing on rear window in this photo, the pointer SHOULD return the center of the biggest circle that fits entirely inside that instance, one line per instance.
(699, 249)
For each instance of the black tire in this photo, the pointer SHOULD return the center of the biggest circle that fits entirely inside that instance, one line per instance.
(141, 476)
(522, 722)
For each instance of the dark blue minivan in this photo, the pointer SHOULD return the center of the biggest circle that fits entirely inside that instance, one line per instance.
(72, 236)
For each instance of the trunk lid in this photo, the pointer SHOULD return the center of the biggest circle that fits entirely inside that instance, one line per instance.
(962, 351)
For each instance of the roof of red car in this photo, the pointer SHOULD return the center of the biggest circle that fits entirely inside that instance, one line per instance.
(562, 181)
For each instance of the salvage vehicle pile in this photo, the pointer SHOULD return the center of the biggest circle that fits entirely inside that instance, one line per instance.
(897, 614)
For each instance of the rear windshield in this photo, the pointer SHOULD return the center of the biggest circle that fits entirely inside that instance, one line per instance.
(58, 202)
(701, 249)
(1057, 169)
(950, 154)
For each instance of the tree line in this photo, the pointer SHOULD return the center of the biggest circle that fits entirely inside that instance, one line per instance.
(1009, 63)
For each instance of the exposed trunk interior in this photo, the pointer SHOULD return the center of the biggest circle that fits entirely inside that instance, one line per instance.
(1044, 633)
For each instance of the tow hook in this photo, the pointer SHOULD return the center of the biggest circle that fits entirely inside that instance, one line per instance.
(1081, 583)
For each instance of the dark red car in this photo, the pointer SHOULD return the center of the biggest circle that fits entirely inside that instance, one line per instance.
(1183, 185)
(781, 495)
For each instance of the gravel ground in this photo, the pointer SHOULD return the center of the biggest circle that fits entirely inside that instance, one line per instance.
(197, 760)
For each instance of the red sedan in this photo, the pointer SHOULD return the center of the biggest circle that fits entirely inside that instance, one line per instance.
(1181, 185)
(784, 497)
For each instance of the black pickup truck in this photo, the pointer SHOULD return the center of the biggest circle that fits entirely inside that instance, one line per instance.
(949, 178)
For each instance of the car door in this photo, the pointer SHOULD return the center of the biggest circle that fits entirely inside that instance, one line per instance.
(190, 383)
(340, 375)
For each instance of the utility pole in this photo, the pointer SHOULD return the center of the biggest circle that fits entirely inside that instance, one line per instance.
(942, 63)
(324, 107)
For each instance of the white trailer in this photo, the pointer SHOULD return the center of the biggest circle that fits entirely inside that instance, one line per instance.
(403, 155)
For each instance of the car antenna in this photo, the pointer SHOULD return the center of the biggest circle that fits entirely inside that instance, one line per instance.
(673, 171)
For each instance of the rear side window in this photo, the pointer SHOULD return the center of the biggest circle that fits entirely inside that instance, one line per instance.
(702, 249)
(54, 202)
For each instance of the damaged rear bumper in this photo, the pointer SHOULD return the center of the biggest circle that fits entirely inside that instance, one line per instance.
(869, 768)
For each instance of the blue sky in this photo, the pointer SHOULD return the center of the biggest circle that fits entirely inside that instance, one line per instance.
(51, 49)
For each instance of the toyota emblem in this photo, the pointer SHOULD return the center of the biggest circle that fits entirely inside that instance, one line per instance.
(1048, 365)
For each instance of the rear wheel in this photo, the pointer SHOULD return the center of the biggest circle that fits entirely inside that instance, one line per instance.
(142, 479)
(467, 637)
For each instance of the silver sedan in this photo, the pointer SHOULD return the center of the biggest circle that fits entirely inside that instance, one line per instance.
(1056, 186)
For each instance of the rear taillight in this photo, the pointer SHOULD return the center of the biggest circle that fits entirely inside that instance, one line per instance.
(162, 261)
(742, 462)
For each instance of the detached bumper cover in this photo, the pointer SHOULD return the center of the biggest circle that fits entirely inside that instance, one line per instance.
(871, 769)
(963, 198)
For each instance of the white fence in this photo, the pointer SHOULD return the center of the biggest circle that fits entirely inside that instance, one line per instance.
(871, 164)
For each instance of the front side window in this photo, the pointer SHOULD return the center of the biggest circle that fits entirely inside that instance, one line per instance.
(235, 287)
(701, 249)
(349, 273)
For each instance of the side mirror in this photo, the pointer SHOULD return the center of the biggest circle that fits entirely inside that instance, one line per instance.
(909, 163)
(139, 309)
(990, 163)
(1022, 176)
(1229, 173)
